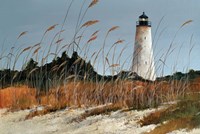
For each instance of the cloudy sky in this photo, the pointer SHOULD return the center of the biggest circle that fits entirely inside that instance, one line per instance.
(167, 16)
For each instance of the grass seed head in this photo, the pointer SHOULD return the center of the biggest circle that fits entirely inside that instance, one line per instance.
(21, 34)
(58, 41)
(90, 23)
(94, 2)
(25, 49)
(107, 61)
(113, 28)
(95, 33)
(114, 65)
(119, 42)
(186, 23)
(92, 39)
(36, 50)
(51, 28)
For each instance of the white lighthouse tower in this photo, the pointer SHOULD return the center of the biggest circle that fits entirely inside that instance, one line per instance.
(143, 61)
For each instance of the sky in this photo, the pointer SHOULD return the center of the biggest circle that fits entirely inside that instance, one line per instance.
(167, 17)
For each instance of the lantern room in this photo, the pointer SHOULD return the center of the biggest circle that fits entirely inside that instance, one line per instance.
(143, 20)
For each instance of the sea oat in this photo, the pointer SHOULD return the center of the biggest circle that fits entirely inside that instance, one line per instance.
(94, 2)
(89, 23)
(36, 50)
(114, 65)
(119, 42)
(51, 28)
(107, 61)
(92, 39)
(113, 28)
(58, 41)
(36, 45)
(21, 34)
(25, 49)
(95, 33)
(186, 23)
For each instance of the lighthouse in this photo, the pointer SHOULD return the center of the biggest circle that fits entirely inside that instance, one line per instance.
(143, 60)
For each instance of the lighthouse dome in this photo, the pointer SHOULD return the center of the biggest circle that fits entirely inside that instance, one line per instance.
(143, 16)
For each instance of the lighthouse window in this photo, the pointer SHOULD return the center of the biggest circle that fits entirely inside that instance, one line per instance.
(145, 62)
(145, 38)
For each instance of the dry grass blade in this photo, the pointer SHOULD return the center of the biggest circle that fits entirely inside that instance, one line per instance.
(113, 28)
(71, 76)
(64, 46)
(94, 2)
(49, 55)
(77, 61)
(62, 64)
(92, 39)
(11, 54)
(107, 61)
(61, 31)
(93, 55)
(21, 34)
(89, 23)
(79, 37)
(58, 41)
(62, 72)
(95, 33)
(33, 70)
(15, 76)
(25, 49)
(52, 54)
(50, 28)
(36, 45)
(186, 23)
(119, 42)
(85, 76)
(43, 59)
(114, 65)
(36, 50)
(54, 68)
(96, 56)
(82, 63)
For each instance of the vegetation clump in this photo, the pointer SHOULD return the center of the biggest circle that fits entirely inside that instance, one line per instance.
(182, 115)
